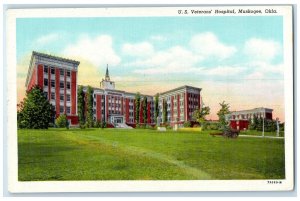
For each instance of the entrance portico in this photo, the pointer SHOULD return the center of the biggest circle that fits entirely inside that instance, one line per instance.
(116, 119)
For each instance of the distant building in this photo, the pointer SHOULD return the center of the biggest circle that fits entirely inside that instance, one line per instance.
(240, 119)
(58, 78)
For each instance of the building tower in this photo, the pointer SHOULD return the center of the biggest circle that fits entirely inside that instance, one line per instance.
(106, 83)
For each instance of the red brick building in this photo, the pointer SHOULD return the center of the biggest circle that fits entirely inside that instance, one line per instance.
(181, 102)
(57, 77)
(240, 119)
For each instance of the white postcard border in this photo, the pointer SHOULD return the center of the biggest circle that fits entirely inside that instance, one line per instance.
(143, 186)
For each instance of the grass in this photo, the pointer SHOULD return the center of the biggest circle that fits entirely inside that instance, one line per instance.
(141, 154)
(259, 133)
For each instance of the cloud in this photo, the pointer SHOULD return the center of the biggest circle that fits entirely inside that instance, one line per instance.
(261, 50)
(173, 60)
(158, 38)
(46, 39)
(143, 49)
(98, 50)
(208, 45)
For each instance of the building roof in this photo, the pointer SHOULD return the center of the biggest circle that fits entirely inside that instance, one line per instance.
(182, 87)
(39, 54)
(34, 53)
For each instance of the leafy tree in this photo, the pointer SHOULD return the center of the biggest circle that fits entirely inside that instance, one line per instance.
(165, 117)
(137, 107)
(35, 111)
(199, 115)
(156, 110)
(80, 105)
(187, 124)
(89, 113)
(145, 109)
(61, 121)
(222, 112)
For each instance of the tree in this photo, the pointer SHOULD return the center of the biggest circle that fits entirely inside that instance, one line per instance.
(156, 109)
(35, 111)
(145, 109)
(80, 105)
(199, 115)
(165, 117)
(89, 112)
(61, 121)
(137, 107)
(222, 112)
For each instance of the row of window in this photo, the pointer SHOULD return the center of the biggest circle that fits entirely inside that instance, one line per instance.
(61, 96)
(62, 109)
(61, 84)
(61, 71)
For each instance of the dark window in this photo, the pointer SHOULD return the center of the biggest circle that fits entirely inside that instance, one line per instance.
(52, 95)
(61, 97)
(52, 71)
(45, 82)
(61, 72)
(61, 109)
(46, 94)
(61, 85)
(52, 83)
(68, 97)
(46, 69)
(68, 110)
(68, 85)
(68, 74)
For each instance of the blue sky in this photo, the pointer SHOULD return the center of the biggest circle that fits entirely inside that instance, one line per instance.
(236, 59)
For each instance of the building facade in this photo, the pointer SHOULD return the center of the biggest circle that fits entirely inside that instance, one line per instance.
(57, 77)
(180, 103)
(240, 120)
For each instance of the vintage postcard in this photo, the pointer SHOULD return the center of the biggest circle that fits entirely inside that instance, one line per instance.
(150, 99)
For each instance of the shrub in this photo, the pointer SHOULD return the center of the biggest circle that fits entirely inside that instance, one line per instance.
(187, 124)
(98, 124)
(61, 121)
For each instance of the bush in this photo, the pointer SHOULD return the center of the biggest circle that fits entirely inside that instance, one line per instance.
(61, 121)
(98, 124)
(187, 124)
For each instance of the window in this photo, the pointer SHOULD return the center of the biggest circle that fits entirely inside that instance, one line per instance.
(46, 94)
(68, 110)
(45, 69)
(52, 83)
(52, 96)
(45, 82)
(61, 109)
(61, 97)
(61, 72)
(68, 85)
(61, 85)
(68, 74)
(52, 71)
(68, 97)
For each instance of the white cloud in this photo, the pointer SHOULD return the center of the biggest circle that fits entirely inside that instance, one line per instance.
(173, 60)
(142, 49)
(221, 71)
(208, 45)
(46, 39)
(98, 50)
(158, 38)
(262, 50)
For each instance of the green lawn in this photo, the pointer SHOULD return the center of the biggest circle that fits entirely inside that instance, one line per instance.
(259, 133)
(115, 154)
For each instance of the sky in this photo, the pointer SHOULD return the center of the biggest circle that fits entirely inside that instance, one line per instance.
(237, 59)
